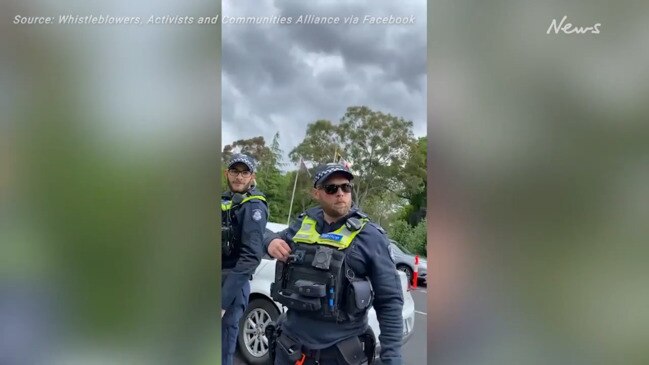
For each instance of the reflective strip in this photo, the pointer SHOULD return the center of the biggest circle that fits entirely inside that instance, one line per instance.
(254, 197)
(228, 205)
(340, 238)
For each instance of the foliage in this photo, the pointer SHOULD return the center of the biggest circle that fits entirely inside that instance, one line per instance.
(383, 208)
(414, 180)
(377, 144)
(270, 178)
(255, 147)
(412, 238)
(321, 142)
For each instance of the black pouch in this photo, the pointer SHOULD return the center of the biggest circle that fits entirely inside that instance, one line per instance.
(369, 344)
(352, 351)
(310, 289)
(272, 332)
(297, 302)
(291, 349)
(226, 240)
(359, 296)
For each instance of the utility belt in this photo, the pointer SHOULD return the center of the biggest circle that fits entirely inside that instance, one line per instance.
(357, 350)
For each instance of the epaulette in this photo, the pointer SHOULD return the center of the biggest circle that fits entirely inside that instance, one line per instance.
(237, 198)
(378, 227)
(360, 214)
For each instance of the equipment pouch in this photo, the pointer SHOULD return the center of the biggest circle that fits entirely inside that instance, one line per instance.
(226, 240)
(359, 296)
(272, 331)
(291, 349)
(296, 301)
(310, 289)
(369, 344)
(352, 351)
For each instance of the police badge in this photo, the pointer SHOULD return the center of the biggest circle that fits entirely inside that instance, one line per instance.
(256, 214)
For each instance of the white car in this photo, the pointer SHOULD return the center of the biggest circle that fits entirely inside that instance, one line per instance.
(261, 310)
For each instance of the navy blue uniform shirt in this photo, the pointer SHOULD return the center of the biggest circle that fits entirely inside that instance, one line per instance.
(251, 218)
(368, 256)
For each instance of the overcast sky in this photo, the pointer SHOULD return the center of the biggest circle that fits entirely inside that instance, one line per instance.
(282, 77)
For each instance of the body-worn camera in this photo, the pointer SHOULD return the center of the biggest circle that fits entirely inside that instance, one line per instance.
(322, 258)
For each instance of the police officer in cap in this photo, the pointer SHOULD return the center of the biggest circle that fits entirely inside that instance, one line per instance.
(244, 213)
(333, 263)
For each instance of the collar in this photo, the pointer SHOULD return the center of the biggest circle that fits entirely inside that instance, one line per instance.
(317, 213)
(252, 191)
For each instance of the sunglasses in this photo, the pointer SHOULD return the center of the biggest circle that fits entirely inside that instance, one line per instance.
(234, 173)
(333, 188)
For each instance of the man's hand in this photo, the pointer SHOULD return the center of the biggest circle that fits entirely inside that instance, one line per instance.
(279, 249)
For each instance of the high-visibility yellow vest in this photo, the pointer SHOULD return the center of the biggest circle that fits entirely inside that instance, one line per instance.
(340, 238)
(228, 204)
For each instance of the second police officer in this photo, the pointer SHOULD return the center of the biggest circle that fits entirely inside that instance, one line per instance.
(244, 213)
(333, 263)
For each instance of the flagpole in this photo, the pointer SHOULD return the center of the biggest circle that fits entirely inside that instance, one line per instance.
(290, 207)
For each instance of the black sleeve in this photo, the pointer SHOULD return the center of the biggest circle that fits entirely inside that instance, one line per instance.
(254, 215)
(388, 294)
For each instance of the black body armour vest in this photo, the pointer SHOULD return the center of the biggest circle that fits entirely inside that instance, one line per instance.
(316, 280)
(230, 228)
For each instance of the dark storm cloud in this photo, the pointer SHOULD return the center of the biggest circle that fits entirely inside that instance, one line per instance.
(282, 77)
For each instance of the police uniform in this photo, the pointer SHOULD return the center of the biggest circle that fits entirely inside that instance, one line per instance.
(244, 219)
(327, 259)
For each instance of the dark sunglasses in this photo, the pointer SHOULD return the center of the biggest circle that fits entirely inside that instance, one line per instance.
(333, 188)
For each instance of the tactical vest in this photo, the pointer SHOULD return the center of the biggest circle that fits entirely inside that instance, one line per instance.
(316, 280)
(230, 230)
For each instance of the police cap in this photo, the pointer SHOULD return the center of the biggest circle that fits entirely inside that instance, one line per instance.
(244, 159)
(323, 172)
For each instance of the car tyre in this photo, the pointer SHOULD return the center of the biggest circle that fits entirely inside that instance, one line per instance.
(407, 271)
(251, 339)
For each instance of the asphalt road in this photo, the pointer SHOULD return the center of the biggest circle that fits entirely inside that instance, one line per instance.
(414, 351)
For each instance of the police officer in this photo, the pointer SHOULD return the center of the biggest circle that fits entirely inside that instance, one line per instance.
(332, 263)
(244, 214)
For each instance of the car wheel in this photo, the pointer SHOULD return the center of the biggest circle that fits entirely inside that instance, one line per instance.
(407, 271)
(252, 340)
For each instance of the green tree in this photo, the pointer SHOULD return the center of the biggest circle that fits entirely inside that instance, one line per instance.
(414, 183)
(303, 199)
(321, 142)
(271, 182)
(255, 147)
(384, 207)
(377, 144)
(412, 238)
